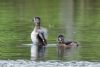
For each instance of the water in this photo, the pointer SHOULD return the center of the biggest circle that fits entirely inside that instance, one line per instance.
(66, 16)
(52, 63)
(15, 28)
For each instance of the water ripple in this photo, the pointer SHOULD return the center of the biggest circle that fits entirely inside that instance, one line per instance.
(27, 63)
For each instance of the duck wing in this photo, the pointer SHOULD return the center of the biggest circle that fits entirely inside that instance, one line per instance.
(41, 39)
(68, 42)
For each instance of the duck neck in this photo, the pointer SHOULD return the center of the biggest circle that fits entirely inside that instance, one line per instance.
(36, 27)
(61, 42)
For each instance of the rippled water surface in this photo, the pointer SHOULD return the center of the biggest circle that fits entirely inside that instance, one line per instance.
(52, 63)
(78, 20)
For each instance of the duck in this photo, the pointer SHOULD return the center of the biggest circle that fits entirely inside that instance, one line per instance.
(39, 39)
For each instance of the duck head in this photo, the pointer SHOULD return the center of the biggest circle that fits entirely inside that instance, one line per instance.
(60, 39)
(37, 21)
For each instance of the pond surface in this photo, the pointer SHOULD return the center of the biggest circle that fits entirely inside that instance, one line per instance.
(52, 63)
(16, 26)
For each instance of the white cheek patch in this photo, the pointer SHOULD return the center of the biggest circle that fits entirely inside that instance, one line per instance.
(34, 18)
(60, 39)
